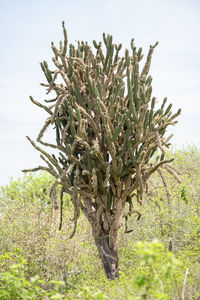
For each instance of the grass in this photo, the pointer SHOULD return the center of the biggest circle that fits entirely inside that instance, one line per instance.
(37, 261)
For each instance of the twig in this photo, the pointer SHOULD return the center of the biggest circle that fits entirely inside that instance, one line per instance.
(41, 105)
(184, 284)
(161, 284)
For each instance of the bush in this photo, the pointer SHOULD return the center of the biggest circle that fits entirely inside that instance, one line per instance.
(14, 285)
(36, 258)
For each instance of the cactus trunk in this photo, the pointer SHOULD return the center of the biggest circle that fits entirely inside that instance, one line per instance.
(105, 226)
(108, 254)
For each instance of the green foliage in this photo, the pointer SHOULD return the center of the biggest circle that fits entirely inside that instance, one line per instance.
(158, 266)
(37, 261)
(88, 293)
(14, 284)
(183, 195)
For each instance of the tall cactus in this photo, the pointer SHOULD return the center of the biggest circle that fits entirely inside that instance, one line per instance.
(107, 129)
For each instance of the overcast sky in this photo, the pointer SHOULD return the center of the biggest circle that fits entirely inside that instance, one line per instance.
(28, 27)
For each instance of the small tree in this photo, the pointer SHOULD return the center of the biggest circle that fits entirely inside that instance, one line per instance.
(107, 131)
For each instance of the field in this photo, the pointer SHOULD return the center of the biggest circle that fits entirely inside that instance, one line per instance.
(159, 257)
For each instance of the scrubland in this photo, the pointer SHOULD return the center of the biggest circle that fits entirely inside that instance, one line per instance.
(159, 257)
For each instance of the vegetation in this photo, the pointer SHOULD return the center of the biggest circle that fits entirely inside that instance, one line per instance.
(108, 127)
(159, 257)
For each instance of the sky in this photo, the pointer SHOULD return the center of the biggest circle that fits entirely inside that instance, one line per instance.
(27, 29)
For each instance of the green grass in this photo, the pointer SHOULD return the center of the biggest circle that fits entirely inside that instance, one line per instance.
(37, 261)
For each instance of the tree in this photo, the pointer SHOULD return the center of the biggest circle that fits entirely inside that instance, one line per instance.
(107, 131)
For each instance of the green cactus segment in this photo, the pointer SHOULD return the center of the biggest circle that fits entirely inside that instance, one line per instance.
(149, 80)
(70, 69)
(130, 89)
(57, 136)
(153, 101)
(133, 101)
(58, 127)
(78, 115)
(58, 123)
(85, 53)
(71, 120)
(134, 115)
(162, 156)
(63, 160)
(132, 155)
(69, 150)
(150, 117)
(169, 138)
(71, 50)
(89, 83)
(120, 67)
(47, 72)
(109, 54)
(42, 67)
(158, 112)
(99, 109)
(117, 131)
(140, 150)
(110, 59)
(137, 68)
(95, 44)
(168, 109)
(146, 121)
(100, 89)
(45, 64)
(95, 92)
(117, 52)
(105, 39)
(125, 145)
(77, 91)
(139, 53)
(90, 106)
(164, 102)
(132, 45)
(136, 82)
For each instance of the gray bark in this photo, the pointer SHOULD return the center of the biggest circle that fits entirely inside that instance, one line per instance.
(108, 255)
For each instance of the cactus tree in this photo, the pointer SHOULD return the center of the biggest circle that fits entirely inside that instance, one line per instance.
(107, 129)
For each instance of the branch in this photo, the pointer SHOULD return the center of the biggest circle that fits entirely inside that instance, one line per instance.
(40, 168)
(148, 61)
(172, 172)
(41, 105)
(184, 284)
(93, 124)
(41, 133)
(45, 154)
(153, 169)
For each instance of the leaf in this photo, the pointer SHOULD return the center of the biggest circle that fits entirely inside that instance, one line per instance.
(183, 195)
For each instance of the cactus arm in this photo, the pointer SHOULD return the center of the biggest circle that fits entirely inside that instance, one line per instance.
(148, 61)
